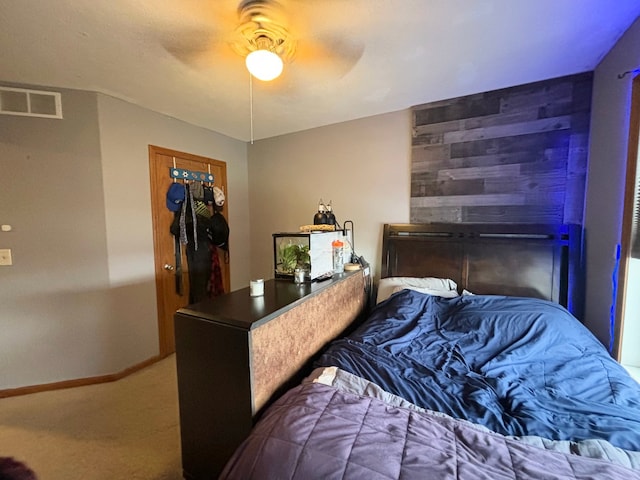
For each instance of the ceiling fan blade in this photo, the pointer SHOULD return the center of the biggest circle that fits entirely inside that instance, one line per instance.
(193, 48)
(328, 58)
(203, 39)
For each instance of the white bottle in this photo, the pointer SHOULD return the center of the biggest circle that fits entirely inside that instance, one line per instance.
(338, 260)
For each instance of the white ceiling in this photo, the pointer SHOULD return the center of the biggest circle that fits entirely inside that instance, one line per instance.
(410, 52)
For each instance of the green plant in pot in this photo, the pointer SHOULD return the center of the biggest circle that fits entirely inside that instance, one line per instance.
(294, 256)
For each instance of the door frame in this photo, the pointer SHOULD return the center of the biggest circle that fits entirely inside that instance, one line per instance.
(627, 216)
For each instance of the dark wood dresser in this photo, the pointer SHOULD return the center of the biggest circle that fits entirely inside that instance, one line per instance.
(236, 353)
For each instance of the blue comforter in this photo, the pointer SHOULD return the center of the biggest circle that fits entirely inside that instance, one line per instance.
(519, 366)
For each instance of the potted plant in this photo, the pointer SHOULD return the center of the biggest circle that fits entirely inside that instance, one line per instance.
(294, 256)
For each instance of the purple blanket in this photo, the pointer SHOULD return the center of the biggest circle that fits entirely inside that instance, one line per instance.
(319, 432)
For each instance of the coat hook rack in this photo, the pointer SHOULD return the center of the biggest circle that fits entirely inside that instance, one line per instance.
(184, 174)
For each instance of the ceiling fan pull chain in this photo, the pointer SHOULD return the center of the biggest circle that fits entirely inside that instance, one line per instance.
(251, 107)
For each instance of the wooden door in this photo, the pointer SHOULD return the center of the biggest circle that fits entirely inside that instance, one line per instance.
(161, 160)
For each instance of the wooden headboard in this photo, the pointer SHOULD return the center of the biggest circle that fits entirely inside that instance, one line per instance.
(542, 261)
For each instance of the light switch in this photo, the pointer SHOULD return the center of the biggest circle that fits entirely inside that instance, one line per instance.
(5, 256)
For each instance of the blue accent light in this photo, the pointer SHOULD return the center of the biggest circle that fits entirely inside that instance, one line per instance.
(612, 313)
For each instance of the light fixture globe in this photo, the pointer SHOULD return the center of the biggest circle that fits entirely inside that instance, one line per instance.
(264, 64)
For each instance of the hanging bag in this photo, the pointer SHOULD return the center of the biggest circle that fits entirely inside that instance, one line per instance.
(219, 231)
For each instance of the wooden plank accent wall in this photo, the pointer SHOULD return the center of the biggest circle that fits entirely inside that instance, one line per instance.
(515, 155)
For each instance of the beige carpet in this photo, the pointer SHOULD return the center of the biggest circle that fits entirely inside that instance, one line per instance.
(126, 429)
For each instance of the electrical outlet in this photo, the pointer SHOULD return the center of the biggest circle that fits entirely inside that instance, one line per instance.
(5, 256)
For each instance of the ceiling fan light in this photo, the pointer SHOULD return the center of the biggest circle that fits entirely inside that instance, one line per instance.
(264, 65)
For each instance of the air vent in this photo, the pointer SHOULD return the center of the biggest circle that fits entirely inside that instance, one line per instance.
(30, 103)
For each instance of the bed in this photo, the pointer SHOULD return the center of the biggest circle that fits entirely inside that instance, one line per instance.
(472, 364)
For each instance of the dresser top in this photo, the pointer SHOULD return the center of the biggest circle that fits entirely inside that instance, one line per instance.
(239, 309)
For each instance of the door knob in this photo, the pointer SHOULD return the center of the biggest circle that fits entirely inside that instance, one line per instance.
(168, 267)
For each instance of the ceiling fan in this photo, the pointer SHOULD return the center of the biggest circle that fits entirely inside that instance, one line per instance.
(305, 36)
(263, 38)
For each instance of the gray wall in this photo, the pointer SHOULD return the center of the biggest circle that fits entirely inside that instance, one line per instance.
(125, 170)
(606, 177)
(80, 300)
(55, 305)
(362, 167)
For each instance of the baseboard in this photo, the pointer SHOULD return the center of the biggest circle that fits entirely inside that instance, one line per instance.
(80, 382)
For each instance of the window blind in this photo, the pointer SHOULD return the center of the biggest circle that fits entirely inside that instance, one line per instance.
(633, 172)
